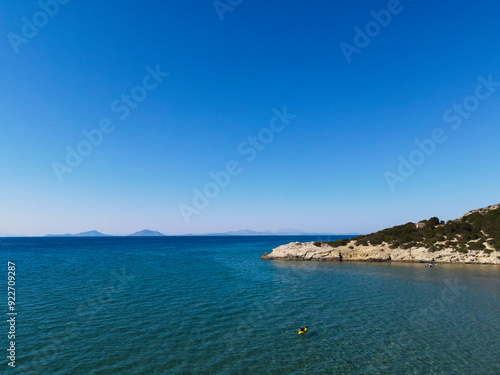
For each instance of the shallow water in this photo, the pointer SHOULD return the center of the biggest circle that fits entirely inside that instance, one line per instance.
(209, 305)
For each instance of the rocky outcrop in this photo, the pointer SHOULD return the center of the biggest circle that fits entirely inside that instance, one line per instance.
(304, 251)
(315, 251)
(472, 238)
(481, 211)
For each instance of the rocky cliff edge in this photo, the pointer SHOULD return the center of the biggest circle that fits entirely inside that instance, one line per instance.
(317, 251)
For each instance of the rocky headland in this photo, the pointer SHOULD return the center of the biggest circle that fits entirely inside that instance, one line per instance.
(472, 238)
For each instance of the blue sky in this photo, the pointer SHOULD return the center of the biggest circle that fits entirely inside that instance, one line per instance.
(331, 167)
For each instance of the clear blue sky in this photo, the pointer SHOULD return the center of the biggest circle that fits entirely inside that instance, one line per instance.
(326, 170)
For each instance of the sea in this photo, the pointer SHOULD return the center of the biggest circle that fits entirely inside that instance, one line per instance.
(210, 305)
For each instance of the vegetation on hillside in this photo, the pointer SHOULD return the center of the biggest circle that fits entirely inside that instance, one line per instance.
(472, 232)
(337, 243)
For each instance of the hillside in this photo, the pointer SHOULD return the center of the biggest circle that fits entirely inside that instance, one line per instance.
(472, 238)
(476, 230)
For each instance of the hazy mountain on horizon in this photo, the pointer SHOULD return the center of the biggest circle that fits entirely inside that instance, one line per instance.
(94, 233)
(147, 233)
(90, 233)
(280, 232)
(240, 232)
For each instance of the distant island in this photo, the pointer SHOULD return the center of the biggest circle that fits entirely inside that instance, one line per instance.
(248, 232)
(147, 233)
(94, 233)
(91, 233)
(242, 232)
(472, 238)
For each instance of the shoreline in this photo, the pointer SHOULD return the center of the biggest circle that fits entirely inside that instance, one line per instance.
(322, 252)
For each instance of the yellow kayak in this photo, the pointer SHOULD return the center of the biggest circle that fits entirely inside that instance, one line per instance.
(304, 331)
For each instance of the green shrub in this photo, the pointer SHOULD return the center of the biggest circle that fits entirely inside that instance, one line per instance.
(338, 243)
(439, 237)
(376, 241)
(439, 230)
(433, 221)
(395, 245)
(408, 245)
(475, 236)
(476, 245)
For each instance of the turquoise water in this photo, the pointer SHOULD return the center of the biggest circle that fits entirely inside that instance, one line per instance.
(209, 305)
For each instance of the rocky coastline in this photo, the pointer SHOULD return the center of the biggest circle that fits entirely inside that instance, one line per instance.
(314, 251)
(472, 238)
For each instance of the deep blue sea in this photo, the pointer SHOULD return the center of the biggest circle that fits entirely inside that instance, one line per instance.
(209, 305)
